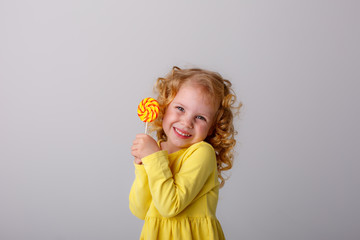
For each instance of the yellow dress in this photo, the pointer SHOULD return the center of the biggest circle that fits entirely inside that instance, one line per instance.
(177, 194)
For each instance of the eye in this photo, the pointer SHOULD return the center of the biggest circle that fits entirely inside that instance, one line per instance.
(201, 118)
(181, 109)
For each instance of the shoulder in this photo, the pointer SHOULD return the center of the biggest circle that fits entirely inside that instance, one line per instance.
(203, 146)
(201, 149)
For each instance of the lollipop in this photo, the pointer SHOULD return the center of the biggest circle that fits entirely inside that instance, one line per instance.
(148, 111)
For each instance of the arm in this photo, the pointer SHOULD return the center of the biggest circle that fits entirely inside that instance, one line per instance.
(140, 197)
(172, 193)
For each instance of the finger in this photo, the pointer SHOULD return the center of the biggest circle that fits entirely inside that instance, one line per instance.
(141, 135)
(134, 153)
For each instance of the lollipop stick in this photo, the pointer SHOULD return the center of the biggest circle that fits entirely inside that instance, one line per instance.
(146, 125)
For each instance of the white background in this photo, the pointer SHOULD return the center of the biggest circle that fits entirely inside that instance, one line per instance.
(72, 73)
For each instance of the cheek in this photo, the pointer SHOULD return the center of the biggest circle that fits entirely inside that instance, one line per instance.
(171, 115)
(204, 130)
(168, 118)
(165, 122)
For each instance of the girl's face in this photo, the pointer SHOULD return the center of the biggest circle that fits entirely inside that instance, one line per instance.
(188, 118)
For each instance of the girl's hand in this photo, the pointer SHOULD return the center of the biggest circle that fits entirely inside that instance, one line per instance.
(143, 146)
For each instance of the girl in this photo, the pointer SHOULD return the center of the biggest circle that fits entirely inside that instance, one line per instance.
(177, 178)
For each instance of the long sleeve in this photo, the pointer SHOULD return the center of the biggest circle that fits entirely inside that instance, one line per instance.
(172, 193)
(140, 197)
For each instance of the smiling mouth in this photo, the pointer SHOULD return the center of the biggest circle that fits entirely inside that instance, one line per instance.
(181, 133)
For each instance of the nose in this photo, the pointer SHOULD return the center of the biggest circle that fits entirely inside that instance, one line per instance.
(187, 120)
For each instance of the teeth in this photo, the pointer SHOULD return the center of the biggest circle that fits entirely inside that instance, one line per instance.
(181, 133)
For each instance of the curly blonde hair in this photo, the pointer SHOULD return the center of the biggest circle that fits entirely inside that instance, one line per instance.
(222, 132)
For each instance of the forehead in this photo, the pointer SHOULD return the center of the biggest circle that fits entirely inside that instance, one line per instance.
(194, 90)
(196, 95)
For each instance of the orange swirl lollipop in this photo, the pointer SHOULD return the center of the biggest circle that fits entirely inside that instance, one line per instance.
(148, 110)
